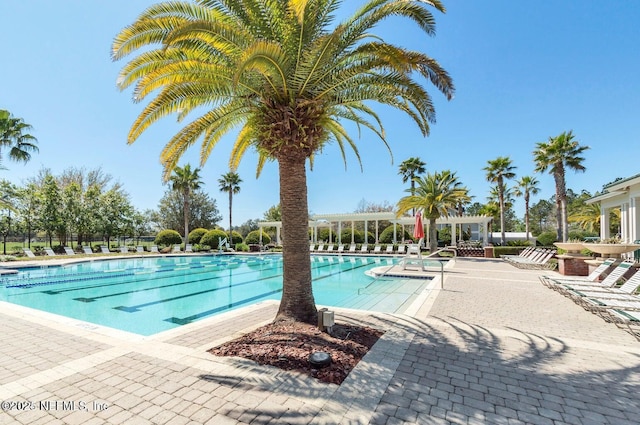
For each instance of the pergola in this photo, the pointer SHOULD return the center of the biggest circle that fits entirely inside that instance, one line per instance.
(373, 219)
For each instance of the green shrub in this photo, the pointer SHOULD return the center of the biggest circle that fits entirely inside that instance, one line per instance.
(345, 236)
(387, 234)
(168, 237)
(253, 237)
(519, 243)
(236, 238)
(547, 238)
(196, 234)
(243, 247)
(212, 238)
(323, 235)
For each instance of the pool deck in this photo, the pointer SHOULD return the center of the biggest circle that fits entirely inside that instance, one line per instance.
(493, 346)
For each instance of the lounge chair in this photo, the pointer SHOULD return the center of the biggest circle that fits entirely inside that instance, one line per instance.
(124, 249)
(87, 250)
(341, 248)
(154, 248)
(188, 248)
(553, 281)
(352, 248)
(69, 251)
(523, 254)
(49, 252)
(623, 293)
(401, 249)
(377, 249)
(608, 282)
(139, 249)
(176, 248)
(104, 249)
(320, 248)
(364, 248)
(389, 249)
(29, 253)
(330, 247)
(312, 247)
(541, 261)
(628, 318)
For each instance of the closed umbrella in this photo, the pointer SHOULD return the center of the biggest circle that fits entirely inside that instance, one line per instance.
(418, 230)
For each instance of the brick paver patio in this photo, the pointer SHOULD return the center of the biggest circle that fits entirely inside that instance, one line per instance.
(493, 347)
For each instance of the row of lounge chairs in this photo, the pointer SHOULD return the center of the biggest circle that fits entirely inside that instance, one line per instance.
(341, 248)
(612, 298)
(533, 258)
(89, 251)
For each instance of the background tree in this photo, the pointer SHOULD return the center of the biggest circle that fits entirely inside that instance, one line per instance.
(8, 199)
(436, 195)
(230, 183)
(409, 170)
(288, 76)
(525, 187)
(72, 210)
(497, 171)
(556, 155)
(13, 136)
(542, 216)
(51, 217)
(170, 212)
(185, 181)
(29, 202)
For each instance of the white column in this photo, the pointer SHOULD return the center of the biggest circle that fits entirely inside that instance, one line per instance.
(454, 228)
(366, 239)
(339, 231)
(395, 233)
(604, 222)
(634, 219)
(278, 235)
(485, 233)
(353, 231)
(377, 240)
(624, 223)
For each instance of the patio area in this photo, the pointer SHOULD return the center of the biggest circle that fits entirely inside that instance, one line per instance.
(493, 346)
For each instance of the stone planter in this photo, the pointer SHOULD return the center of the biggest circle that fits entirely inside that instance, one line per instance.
(613, 250)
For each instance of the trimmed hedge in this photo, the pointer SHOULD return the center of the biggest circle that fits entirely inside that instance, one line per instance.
(196, 234)
(212, 238)
(387, 234)
(168, 237)
(253, 238)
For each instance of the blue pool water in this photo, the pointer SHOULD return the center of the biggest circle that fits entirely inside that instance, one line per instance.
(150, 295)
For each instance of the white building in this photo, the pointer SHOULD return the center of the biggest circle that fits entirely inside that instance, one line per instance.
(625, 195)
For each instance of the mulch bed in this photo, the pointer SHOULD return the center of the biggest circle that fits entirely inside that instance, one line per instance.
(287, 345)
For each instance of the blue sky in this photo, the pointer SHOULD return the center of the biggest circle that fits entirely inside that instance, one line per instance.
(523, 71)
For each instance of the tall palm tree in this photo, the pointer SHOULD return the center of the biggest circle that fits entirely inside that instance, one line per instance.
(499, 170)
(288, 77)
(409, 169)
(13, 137)
(185, 181)
(436, 195)
(230, 182)
(556, 155)
(525, 187)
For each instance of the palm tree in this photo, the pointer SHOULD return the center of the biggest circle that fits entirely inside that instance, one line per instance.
(185, 181)
(288, 77)
(230, 182)
(499, 170)
(588, 217)
(13, 136)
(556, 155)
(436, 195)
(525, 187)
(409, 170)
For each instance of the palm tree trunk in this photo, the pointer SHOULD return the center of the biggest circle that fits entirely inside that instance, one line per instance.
(297, 296)
(526, 215)
(230, 210)
(185, 207)
(433, 235)
(502, 234)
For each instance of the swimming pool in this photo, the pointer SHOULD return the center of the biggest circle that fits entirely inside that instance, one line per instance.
(153, 294)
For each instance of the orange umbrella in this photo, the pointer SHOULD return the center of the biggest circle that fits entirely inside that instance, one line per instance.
(418, 230)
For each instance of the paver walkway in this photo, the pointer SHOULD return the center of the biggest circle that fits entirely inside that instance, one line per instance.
(494, 346)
